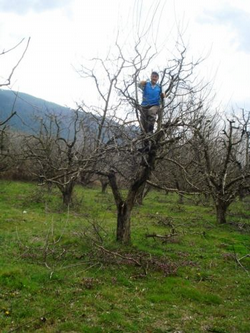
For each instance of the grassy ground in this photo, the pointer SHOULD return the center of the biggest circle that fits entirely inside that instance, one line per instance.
(62, 271)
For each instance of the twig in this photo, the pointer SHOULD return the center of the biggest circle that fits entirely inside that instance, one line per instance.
(238, 261)
(163, 237)
(115, 254)
(246, 256)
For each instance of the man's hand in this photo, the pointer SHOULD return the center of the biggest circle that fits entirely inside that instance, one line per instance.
(142, 83)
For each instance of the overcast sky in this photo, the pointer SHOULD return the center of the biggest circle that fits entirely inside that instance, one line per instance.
(65, 32)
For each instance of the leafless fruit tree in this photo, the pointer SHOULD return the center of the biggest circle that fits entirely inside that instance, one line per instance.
(60, 151)
(122, 157)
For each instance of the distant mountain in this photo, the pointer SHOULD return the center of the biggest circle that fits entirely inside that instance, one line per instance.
(28, 108)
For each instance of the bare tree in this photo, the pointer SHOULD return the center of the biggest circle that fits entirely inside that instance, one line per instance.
(115, 80)
(220, 158)
(60, 151)
(5, 155)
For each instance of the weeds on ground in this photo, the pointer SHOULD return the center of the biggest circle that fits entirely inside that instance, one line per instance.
(62, 271)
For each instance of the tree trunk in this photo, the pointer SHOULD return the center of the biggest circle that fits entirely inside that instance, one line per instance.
(124, 207)
(67, 194)
(221, 210)
(123, 223)
(104, 185)
(67, 198)
(143, 191)
(241, 194)
(140, 195)
(49, 187)
(181, 199)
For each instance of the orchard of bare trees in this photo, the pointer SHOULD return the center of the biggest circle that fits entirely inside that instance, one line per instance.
(193, 150)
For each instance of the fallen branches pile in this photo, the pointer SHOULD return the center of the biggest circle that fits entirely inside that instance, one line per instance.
(144, 261)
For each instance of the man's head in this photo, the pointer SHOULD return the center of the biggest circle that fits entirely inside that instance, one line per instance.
(154, 77)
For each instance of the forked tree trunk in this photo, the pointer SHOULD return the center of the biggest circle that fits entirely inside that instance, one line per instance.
(125, 207)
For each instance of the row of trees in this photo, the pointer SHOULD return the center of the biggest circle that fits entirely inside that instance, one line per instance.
(209, 157)
(213, 161)
(192, 151)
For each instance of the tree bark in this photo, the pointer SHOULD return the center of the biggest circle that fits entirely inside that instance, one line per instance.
(104, 185)
(142, 194)
(67, 194)
(221, 210)
(181, 199)
(123, 223)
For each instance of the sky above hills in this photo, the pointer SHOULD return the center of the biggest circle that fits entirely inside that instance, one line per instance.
(66, 32)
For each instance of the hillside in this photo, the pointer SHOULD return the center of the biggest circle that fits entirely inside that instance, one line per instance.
(27, 108)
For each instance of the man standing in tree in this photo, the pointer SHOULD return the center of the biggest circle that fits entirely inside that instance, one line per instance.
(150, 106)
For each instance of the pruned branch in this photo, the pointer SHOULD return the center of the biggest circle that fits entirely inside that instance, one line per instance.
(8, 80)
(164, 238)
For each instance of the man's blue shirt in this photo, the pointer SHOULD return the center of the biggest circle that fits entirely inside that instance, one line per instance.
(151, 94)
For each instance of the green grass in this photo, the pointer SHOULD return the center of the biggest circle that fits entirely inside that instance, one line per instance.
(53, 279)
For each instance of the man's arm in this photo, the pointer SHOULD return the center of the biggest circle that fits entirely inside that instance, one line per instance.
(142, 84)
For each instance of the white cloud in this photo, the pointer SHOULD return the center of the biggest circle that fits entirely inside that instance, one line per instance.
(24, 6)
(236, 19)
